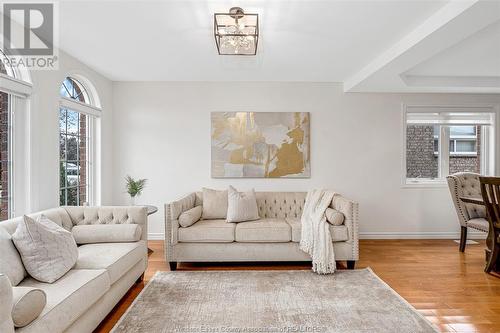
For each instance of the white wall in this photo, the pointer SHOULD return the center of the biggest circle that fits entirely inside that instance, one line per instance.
(162, 132)
(44, 131)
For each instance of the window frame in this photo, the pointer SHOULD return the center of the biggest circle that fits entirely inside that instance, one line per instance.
(459, 138)
(93, 112)
(17, 84)
(489, 140)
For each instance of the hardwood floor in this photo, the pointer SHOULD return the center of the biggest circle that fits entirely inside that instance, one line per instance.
(448, 287)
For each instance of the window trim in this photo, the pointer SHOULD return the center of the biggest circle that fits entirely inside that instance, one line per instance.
(13, 86)
(489, 159)
(94, 113)
(18, 85)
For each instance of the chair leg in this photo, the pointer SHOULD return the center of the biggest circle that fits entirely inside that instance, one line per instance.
(173, 265)
(492, 261)
(351, 264)
(463, 239)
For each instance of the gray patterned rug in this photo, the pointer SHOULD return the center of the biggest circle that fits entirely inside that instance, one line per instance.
(270, 301)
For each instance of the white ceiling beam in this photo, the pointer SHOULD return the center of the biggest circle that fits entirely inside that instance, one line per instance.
(451, 24)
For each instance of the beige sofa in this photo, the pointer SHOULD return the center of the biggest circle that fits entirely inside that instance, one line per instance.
(274, 237)
(104, 272)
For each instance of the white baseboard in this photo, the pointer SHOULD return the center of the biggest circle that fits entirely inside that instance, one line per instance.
(386, 235)
(156, 236)
(420, 235)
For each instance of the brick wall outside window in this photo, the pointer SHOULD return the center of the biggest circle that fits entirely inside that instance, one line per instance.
(421, 162)
(83, 159)
(4, 156)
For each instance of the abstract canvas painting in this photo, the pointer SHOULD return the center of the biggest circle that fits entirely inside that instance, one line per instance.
(260, 145)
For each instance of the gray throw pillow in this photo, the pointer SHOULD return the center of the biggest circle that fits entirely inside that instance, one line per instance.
(334, 217)
(241, 206)
(48, 250)
(27, 304)
(190, 217)
(214, 204)
(10, 261)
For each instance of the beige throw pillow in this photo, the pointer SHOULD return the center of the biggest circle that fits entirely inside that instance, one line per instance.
(214, 204)
(10, 261)
(190, 217)
(48, 251)
(334, 217)
(241, 206)
(27, 304)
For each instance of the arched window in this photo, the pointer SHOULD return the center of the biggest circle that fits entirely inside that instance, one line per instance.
(14, 90)
(77, 117)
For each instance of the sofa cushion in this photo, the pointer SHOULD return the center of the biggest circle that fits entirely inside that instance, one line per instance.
(115, 258)
(208, 231)
(263, 230)
(190, 216)
(214, 204)
(47, 250)
(106, 233)
(27, 304)
(10, 261)
(67, 299)
(339, 233)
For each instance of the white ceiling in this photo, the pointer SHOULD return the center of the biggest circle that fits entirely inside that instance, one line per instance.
(334, 41)
(173, 40)
(477, 55)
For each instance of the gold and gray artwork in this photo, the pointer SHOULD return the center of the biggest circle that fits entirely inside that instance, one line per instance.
(260, 145)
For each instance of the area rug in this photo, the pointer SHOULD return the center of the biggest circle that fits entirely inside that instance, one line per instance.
(270, 301)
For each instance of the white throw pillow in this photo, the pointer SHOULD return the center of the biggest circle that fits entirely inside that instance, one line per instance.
(106, 233)
(48, 251)
(241, 206)
(214, 204)
(334, 217)
(27, 304)
(190, 217)
(10, 261)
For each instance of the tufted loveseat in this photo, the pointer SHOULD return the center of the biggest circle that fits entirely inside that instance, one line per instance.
(274, 237)
(466, 184)
(104, 272)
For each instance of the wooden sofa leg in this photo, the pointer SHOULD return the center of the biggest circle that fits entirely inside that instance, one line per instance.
(173, 265)
(463, 239)
(140, 279)
(351, 264)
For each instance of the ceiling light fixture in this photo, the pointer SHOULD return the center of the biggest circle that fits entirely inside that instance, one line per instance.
(236, 33)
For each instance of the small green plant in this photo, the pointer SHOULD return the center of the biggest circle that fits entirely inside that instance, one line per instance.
(135, 187)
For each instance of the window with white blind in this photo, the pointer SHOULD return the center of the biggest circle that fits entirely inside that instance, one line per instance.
(440, 141)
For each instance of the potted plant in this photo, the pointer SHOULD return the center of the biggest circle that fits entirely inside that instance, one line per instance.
(134, 187)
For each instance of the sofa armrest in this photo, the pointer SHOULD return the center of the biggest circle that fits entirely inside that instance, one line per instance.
(6, 322)
(172, 212)
(82, 215)
(350, 209)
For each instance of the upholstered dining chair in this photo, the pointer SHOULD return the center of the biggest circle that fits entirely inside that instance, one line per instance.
(466, 184)
(490, 189)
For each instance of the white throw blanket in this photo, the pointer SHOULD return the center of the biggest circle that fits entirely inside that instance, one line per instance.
(316, 239)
